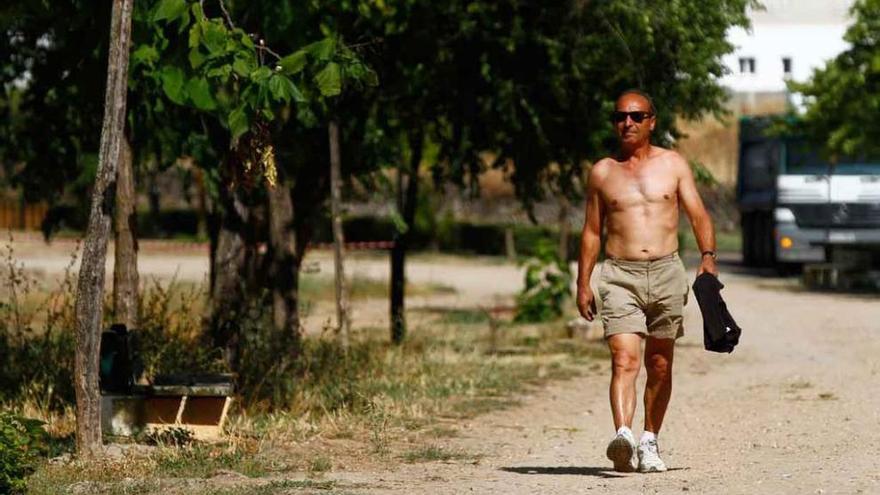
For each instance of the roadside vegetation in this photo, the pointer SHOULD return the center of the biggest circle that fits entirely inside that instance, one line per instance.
(376, 404)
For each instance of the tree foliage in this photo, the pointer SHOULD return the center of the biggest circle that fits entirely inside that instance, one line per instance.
(438, 86)
(843, 97)
(222, 72)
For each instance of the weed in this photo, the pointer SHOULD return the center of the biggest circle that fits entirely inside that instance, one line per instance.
(432, 453)
(378, 428)
(46, 388)
(547, 286)
(169, 437)
(320, 464)
(202, 461)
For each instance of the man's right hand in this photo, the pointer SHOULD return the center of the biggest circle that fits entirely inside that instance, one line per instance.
(586, 302)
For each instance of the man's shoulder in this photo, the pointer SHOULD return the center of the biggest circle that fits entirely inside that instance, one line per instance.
(672, 160)
(668, 155)
(603, 165)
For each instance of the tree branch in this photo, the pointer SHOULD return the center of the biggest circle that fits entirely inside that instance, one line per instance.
(226, 14)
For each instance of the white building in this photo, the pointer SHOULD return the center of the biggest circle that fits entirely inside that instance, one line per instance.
(787, 40)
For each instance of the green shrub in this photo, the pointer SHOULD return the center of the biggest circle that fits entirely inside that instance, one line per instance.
(547, 286)
(23, 442)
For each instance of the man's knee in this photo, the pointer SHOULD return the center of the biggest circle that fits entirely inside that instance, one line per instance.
(625, 362)
(659, 367)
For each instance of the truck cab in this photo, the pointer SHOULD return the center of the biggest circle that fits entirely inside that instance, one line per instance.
(796, 206)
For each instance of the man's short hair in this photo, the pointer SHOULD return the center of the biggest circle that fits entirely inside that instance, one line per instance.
(636, 91)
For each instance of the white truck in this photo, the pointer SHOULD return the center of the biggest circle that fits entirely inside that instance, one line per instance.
(798, 208)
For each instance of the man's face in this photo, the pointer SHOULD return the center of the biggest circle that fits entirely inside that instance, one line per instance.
(628, 130)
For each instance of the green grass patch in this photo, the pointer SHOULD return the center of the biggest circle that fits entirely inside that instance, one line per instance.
(432, 453)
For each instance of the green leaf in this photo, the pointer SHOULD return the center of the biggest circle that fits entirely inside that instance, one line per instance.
(322, 50)
(221, 71)
(283, 89)
(261, 74)
(214, 37)
(169, 9)
(243, 67)
(145, 54)
(329, 80)
(238, 124)
(247, 41)
(195, 35)
(196, 59)
(172, 84)
(200, 93)
(198, 12)
(296, 94)
(293, 63)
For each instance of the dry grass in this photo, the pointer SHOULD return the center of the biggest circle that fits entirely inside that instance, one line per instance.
(372, 405)
(407, 396)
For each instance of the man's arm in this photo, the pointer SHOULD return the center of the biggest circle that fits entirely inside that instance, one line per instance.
(591, 239)
(701, 223)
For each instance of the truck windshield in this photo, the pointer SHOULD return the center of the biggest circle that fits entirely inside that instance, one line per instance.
(803, 159)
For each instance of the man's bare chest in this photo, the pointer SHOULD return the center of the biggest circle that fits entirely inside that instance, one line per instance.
(626, 187)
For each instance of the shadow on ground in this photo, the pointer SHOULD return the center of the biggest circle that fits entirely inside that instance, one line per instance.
(599, 472)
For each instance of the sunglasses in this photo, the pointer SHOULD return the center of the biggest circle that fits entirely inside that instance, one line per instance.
(637, 117)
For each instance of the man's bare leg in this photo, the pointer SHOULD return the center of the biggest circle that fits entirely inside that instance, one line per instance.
(625, 364)
(658, 362)
(658, 389)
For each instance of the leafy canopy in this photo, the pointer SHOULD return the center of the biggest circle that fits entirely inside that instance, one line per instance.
(843, 98)
(223, 72)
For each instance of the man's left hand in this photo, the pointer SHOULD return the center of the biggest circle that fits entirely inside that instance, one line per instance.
(708, 265)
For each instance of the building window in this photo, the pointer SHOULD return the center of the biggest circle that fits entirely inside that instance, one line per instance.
(786, 66)
(747, 65)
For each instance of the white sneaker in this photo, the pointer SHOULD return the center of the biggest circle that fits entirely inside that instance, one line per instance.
(649, 458)
(622, 452)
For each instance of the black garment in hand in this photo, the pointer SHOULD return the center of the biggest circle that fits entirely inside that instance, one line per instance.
(720, 332)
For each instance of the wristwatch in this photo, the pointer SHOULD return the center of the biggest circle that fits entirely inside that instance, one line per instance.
(710, 253)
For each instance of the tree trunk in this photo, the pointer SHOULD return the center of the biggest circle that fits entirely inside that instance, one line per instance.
(343, 321)
(564, 228)
(285, 263)
(407, 193)
(90, 285)
(509, 243)
(229, 277)
(125, 273)
(201, 203)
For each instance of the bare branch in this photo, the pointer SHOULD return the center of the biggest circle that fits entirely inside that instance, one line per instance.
(226, 14)
(262, 46)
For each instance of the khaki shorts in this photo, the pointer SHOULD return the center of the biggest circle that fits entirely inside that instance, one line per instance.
(643, 297)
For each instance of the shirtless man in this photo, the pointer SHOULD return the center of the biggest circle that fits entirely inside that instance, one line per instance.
(643, 285)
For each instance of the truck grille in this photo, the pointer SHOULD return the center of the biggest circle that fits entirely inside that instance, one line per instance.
(844, 215)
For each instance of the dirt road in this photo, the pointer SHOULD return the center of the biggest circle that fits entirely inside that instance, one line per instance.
(795, 409)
